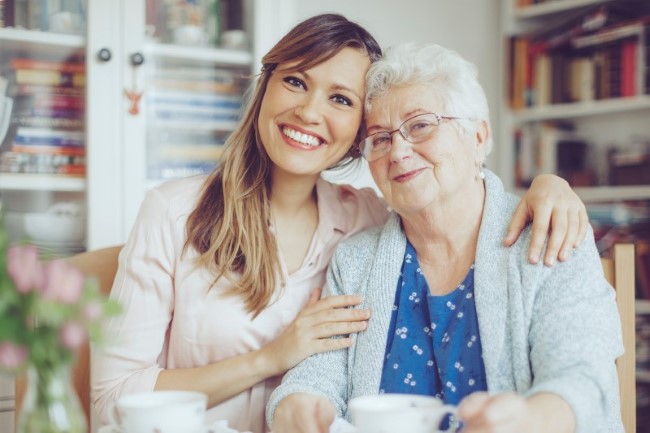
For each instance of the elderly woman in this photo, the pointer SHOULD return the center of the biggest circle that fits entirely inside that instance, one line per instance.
(454, 313)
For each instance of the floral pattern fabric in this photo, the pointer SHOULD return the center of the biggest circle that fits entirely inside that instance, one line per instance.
(433, 346)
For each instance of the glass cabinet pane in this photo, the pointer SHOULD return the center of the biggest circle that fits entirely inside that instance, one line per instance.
(194, 85)
(42, 125)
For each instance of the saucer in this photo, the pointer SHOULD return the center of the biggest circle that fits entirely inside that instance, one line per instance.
(217, 427)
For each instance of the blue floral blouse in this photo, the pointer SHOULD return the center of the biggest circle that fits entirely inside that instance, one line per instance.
(433, 346)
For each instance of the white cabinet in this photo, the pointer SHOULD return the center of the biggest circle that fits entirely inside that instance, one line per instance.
(106, 100)
(196, 59)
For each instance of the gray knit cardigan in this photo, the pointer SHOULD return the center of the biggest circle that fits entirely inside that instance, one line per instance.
(542, 329)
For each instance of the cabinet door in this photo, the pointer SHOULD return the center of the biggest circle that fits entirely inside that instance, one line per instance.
(43, 147)
(187, 64)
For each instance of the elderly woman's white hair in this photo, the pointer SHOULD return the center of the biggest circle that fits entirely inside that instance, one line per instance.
(452, 77)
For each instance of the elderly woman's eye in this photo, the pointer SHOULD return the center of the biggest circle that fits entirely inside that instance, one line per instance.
(420, 125)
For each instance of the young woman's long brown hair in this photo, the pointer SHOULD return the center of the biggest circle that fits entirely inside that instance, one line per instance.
(229, 226)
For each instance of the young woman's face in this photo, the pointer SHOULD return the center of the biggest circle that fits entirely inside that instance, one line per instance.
(309, 119)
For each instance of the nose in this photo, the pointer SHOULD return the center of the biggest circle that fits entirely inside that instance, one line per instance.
(309, 110)
(400, 147)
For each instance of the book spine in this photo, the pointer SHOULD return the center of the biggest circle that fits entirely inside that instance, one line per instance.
(50, 78)
(49, 149)
(28, 63)
(58, 101)
(9, 13)
(608, 35)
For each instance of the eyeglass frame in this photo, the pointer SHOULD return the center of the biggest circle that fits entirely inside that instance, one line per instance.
(438, 118)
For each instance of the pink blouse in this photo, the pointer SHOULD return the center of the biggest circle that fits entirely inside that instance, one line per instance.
(170, 320)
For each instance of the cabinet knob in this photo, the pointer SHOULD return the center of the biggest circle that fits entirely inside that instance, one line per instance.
(137, 59)
(104, 55)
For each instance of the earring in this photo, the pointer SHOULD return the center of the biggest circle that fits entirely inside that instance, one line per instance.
(480, 174)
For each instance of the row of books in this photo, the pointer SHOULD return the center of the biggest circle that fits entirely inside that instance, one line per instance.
(42, 163)
(191, 112)
(598, 58)
(47, 127)
(552, 148)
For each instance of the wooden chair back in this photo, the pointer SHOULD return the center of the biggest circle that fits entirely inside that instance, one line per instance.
(100, 264)
(619, 271)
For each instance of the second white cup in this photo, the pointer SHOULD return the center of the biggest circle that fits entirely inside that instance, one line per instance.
(393, 413)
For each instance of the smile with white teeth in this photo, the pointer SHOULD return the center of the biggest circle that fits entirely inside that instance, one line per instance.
(306, 139)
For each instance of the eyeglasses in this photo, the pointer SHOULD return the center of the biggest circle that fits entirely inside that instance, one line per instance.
(414, 130)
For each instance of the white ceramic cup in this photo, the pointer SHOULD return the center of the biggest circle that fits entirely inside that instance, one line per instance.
(160, 412)
(65, 22)
(396, 413)
(190, 35)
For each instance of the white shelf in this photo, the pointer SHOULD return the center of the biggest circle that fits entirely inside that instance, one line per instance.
(29, 39)
(551, 7)
(582, 109)
(614, 193)
(201, 54)
(607, 193)
(642, 306)
(41, 182)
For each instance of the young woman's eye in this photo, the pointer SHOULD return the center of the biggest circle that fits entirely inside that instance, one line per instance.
(340, 99)
(295, 82)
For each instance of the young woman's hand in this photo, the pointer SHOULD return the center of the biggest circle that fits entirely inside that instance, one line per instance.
(310, 331)
(303, 413)
(552, 206)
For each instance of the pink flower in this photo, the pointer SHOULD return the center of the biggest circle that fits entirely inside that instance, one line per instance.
(11, 355)
(92, 311)
(24, 267)
(63, 282)
(72, 335)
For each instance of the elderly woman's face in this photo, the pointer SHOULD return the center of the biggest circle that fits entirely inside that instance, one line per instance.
(434, 172)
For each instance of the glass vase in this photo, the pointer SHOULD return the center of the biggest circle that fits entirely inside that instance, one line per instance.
(51, 404)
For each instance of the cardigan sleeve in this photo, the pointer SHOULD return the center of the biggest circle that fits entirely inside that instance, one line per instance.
(575, 337)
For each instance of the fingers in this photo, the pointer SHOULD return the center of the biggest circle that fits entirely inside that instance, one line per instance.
(541, 225)
(584, 224)
(340, 301)
(557, 236)
(572, 235)
(324, 416)
(482, 412)
(517, 224)
(314, 297)
(303, 413)
(472, 405)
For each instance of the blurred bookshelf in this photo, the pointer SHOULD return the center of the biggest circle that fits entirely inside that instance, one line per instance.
(577, 104)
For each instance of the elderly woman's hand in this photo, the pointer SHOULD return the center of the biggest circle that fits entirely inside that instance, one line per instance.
(512, 413)
(551, 204)
(303, 413)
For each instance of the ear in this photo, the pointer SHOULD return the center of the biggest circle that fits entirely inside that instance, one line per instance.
(482, 137)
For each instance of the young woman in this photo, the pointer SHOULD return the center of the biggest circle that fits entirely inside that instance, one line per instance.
(220, 277)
